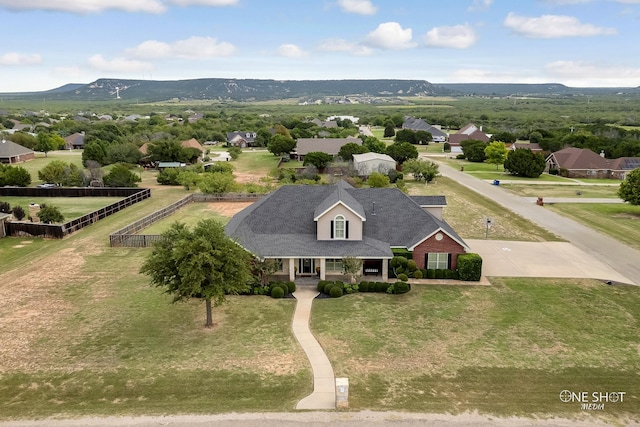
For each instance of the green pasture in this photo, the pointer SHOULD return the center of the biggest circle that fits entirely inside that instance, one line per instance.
(575, 191)
(189, 214)
(69, 207)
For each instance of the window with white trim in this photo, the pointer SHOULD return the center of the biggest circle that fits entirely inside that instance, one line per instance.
(339, 227)
(437, 261)
(333, 264)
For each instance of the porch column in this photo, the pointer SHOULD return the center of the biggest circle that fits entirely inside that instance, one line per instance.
(322, 268)
(292, 270)
(385, 269)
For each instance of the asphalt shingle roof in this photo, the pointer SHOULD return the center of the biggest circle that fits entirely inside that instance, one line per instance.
(10, 149)
(282, 224)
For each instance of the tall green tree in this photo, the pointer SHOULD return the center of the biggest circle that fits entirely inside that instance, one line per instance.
(200, 263)
(348, 150)
(473, 150)
(630, 188)
(281, 144)
(402, 151)
(496, 153)
(421, 169)
(121, 175)
(524, 162)
(45, 143)
(14, 175)
(317, 159)
(373, 144)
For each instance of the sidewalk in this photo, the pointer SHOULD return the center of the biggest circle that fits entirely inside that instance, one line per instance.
(324, 389)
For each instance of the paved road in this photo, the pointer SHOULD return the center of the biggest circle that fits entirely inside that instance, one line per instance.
(620, 257)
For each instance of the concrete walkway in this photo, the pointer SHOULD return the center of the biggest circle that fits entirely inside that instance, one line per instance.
(324, 389)
(622, 258)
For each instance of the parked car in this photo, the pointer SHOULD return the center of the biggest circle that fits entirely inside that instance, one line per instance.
(46, 185)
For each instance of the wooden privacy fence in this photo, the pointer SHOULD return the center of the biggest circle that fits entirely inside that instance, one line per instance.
(58, 231)
(127, 237)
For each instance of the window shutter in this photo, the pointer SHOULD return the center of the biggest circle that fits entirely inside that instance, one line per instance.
(346, 229)
(332, 229)
(449, 261)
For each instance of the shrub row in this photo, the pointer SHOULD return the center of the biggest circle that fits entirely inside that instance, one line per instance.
(336, 289)
(275, 289)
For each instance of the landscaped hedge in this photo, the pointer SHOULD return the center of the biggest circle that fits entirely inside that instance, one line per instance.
(337, 288)
(470, 267)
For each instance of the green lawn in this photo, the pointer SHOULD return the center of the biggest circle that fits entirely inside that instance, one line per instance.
(586, 191)
(255, 162)
(620, 221)
(508, 349)
(41, 161)
(106, 343)
(466, 212)
(70, 207)
(488, 171)
(190, 215)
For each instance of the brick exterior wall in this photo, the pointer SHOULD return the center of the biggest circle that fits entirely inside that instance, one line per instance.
(431, 245)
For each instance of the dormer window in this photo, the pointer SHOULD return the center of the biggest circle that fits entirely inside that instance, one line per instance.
(339, 228)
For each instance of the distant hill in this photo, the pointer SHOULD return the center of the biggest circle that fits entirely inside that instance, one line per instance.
(236, 89)
(523, 89)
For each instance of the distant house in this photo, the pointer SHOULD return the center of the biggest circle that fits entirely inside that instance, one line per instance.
(10, 152)
(74, 141)
(192, 143)
(575, 162)
(329, 124)
(470, 131)
(241, 139)
(415, 124)
(309, 229)
(368, 163)
(331, 146)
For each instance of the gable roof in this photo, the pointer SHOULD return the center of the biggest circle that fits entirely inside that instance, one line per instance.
(75, 139)
(340, 196)
(364, 157)
(331, 146)
(282, 224)
(470, 131)
(416, 124)
(9, 149)
(625, 163)
(192, 143)
(572, 158)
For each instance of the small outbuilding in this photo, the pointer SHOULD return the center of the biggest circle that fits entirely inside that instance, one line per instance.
(368, 163)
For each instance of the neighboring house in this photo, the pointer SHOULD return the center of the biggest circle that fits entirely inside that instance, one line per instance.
(415, 124)
(74, 141)
(575, 162)
(192, 143)
(308, 229)
(327, 124)
(331, 146)
(368, 163)
(10, 152)
(353, 119)
(470, 131)
(241, 139)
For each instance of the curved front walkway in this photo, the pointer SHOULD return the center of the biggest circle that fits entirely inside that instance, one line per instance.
(324, 389)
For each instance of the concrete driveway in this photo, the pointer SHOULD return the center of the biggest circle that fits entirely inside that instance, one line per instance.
(541, 259)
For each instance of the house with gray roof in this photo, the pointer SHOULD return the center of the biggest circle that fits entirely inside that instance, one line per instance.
(308, 229)
(241, 139)
(416, 124)
(10, 152)
(331, 146)
(74, 141)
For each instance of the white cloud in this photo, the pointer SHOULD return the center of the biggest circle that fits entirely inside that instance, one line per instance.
(118, 65)
(390, 35)
(362, 7)
(291, 51)
(341, 45)
(86, 6)
(214, 3)
(590, 74)
(456, 37)
(553, 26)
(191, 48)
(478, 5)
(628, 1)
(20, 59)
(566, 2)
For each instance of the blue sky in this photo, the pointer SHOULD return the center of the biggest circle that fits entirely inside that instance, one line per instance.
(48, 43)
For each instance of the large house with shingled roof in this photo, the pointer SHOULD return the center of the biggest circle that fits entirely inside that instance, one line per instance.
(575, 162)
(308, 229)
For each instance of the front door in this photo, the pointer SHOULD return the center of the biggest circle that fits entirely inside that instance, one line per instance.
(306, 266)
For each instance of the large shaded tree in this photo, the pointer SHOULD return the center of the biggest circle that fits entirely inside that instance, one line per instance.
(473, 150)
(524, 162)
(630, 188)
(200, 263)
(402, 151)
(348, 150)
(496, 153)
(317, 159)
(281, 144)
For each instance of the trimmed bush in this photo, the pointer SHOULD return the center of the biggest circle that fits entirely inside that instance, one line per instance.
(439, 274)
(403, 277)
(328, 287)
(363, 286)
(399, 270)
(431, 273)
(401, 287)
(291, 286)
(336, 292)
(424, 272)
(470, 267)
(382, 287)
(417, 274)
(411, 265)
(321, 285)
(277, 292)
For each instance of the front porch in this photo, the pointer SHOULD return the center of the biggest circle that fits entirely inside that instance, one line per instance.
(330, 269)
